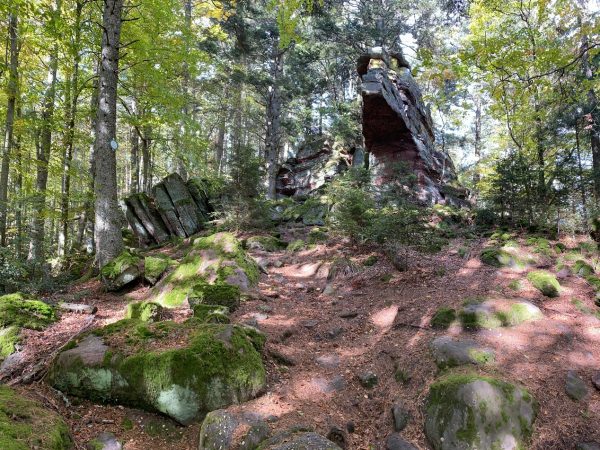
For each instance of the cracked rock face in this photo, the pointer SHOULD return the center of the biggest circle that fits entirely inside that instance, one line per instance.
(398, 130)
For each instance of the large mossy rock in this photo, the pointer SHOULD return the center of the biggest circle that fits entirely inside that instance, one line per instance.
(25, 424)
(467, 411)
(155, 267)
(495, 313)
(181, 370)
(19, 311)
(582, 268)
(215, 259)
(121, 271)
(501, 257)
(545, 282)
(226, 430)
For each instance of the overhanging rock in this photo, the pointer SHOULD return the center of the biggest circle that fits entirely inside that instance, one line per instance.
(398, 128)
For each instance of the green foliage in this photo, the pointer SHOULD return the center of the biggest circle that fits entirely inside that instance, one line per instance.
(545, 282)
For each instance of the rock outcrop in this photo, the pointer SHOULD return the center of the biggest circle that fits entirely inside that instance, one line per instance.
(315, 163)
(398, 128)
(176, 208)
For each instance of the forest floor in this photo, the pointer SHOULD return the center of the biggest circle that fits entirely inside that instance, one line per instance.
(375, 321)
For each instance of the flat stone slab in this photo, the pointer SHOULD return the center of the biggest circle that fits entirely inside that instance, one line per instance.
(452, 352)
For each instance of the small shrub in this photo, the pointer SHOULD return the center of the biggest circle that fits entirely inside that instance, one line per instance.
(443, 318)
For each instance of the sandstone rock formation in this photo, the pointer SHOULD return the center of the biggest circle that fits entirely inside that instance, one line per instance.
(315, 163)
(398, 128)
(177, 208)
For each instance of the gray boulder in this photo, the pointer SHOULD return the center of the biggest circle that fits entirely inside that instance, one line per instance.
(226, 430)
(121, 271)
(468, 411)
(397, 442)
(451, 352)
(298, 440)
(575, 386)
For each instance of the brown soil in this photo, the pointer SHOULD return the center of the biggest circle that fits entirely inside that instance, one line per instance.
(375, 321)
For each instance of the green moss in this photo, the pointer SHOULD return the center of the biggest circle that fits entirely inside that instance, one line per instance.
(498, 257)
(481, 356)
(26, 312)
(127, 424)
(594, 281)
(370, 261)
(9, 338)
(266, 243)
(443, 318)
(118, 265)
(222, 294)
(317, 235)
(544, 282)
(24, 424)
(296, 245)
(582, 268)
(560, 247)
(519, 313)
(515, 285)
(211, 313)
(155, 266)
(144, 311)
(473, 318)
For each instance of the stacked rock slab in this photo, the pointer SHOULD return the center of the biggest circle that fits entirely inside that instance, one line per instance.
(176, 208)
(398, 128)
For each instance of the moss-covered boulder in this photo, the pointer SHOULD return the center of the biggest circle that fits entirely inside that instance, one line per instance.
(25, 424)
(296, 245)
(582, 268)
(121, 271)
(227, 430)
(221, 294)
(479, 314)
(19, 311)
(545, 282)
(452, 352)
(499, 257)
(144, 311)
(215, 259)
(468, 411)
(265, 243)
(443, 318)
(211, 313)
(155, 267)
(181, 370)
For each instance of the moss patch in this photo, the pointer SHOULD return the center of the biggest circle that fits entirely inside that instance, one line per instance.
(26, 312)
(266, 243)
(498, 257)
(296, 245)
(544, 282)
(211, 313)
(155, 266)
(144, 311)
(443, 318)
(118, 265)
(25, 424)
(582, 268)
(221, 294)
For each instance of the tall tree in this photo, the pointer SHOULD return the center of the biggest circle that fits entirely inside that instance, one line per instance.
(108, 234)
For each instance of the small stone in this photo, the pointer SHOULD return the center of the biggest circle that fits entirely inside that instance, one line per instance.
(336, 384)
(309, 323)
(104, 441)
(575, 386)
(282, 356)
(330, 361)
(277, 263)
(368, 379)
(329, 290)
(350, 427)
(348, 314)
(563, 273)
(596, 380)
(588, 446)
(337, 436)
(401, 416)
(334, 332)
(396, 442)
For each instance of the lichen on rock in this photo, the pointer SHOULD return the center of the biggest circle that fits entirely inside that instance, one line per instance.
(468, 411)
(215, 366)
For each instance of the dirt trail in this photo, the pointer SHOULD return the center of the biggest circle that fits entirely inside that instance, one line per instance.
(376, 321)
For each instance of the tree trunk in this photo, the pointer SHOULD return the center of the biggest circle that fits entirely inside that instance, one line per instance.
(11, 94)
(108, 234)
(273, 136)
(477, 176)
(146, 155)
(135, 161)
(36, 250)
